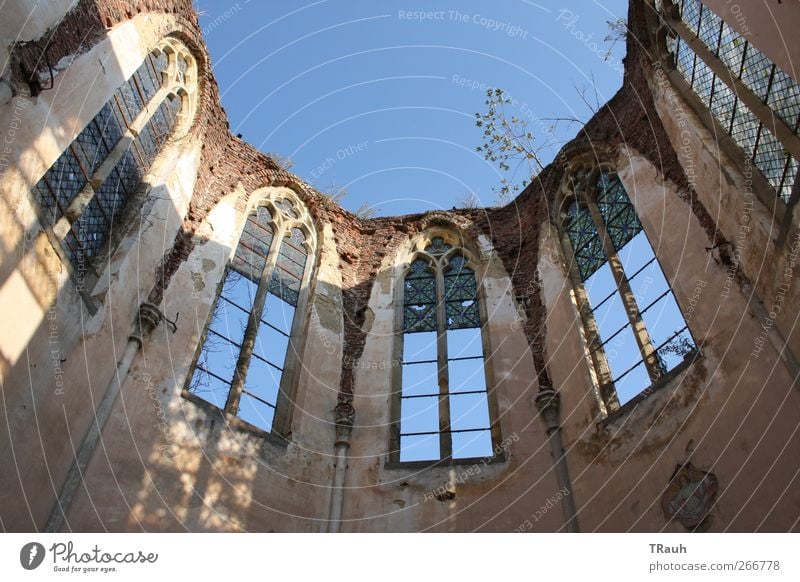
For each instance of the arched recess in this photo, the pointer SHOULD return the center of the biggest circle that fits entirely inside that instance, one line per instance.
(636, 334)
(443, 399)
(86, 196)
(248, 357)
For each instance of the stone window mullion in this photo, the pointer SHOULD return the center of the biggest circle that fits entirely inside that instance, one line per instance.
(640, 332)
(445, 439)
(595, 343)
(253, 322)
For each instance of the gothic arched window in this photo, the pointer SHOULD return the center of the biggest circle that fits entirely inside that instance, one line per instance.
(753, 100)
(636, 331)
(442, 407)
(248, 341)
(83, 194)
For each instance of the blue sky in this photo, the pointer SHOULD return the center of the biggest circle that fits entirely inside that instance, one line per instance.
(380, 98)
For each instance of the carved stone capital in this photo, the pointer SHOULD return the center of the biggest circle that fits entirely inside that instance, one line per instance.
(345, 419)
(147, 319)
(548, 402)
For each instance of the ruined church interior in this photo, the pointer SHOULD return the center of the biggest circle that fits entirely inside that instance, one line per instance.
(196, 339)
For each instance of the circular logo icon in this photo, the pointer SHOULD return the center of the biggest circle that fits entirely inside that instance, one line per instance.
(31, 555)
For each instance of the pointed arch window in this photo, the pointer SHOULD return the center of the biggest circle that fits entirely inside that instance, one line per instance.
(754, 101)
(83, 194)
(247, 346)
(442, 407)
(637, 333)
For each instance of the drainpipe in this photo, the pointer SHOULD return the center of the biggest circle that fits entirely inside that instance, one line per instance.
(549, 404)
(146, 321)
(345, 418)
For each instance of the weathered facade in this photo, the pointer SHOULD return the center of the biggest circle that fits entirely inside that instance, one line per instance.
(102, 432)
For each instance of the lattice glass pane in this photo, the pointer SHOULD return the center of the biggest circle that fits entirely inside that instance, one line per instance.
(417, 317)
(784, 99)
(160, 125)
(789, 176)
(731, 49)
(419, 299)
(745, 129)
(130, 171)
(110, 195)
(690, 14)
(288, 274)
(460, 285)
(90, 147)
(771, 157)
(129, 100)
(462, 314)
(287, 208)
(684, 58)
(703, 81)
(174, 105)
(61, 183)
(723, 104)
(92, 228)
(254, 245)
(437, 246)
(111, 124)
(586, 244)
(160, 62)
(147, 81)
(146, 146)
(756, 72)
(709, 33)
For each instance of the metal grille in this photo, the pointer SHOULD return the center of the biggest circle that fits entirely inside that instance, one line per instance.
(288, 274)
(586, 245)
(461, 296)
(419, 298)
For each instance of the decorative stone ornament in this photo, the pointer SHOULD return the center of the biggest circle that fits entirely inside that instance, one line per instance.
(689, 496)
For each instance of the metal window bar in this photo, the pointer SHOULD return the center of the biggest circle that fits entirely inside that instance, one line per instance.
(459, 393)
(661, 345)
(449, 431)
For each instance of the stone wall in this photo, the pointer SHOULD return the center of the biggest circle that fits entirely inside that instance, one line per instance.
(166, 463)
